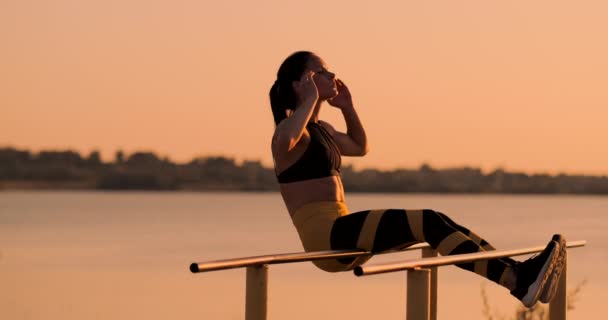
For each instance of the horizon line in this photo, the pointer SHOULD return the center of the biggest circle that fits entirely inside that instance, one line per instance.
(240, 160)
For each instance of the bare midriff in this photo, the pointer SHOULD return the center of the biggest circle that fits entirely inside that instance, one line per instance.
(297, 194)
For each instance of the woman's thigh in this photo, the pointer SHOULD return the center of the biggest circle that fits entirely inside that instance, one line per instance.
(374, 230)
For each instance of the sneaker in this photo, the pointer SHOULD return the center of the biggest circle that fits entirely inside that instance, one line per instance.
(551, 286)
(532, 274)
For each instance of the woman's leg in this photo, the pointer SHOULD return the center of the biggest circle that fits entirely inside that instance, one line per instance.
(477, 239)
(381, 230)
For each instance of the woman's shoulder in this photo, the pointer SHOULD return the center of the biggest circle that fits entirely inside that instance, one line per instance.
(281, 131)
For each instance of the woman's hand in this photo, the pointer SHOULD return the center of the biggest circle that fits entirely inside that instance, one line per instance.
(306, 89)
(343, 99)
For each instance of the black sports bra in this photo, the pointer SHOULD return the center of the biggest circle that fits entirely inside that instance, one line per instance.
(320, 159)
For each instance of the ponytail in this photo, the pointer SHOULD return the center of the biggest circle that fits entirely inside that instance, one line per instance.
(278, 103)
(282, 96)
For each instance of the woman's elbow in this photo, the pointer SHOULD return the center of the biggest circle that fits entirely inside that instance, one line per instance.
(288, 144)
(364, 150)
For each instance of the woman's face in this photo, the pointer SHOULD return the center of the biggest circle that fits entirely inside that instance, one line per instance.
(324, 79)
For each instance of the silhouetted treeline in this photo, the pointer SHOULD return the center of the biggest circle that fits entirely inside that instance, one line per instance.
(20, 169)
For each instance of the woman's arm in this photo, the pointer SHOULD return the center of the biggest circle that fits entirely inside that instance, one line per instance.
(354, 142)
(289, 132)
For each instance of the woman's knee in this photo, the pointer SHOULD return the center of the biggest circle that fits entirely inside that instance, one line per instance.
(434, 221)
(431, 215)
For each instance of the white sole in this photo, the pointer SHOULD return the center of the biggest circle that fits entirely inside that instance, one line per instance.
(535, 289)
(551, 286)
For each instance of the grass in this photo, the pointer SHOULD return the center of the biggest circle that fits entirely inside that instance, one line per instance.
(537, 312)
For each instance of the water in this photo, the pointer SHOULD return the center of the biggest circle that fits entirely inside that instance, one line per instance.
(95, 255)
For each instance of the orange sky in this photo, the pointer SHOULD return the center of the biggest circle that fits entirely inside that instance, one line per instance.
(513, 84)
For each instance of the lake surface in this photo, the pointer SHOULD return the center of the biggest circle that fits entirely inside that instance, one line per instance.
(96, 255)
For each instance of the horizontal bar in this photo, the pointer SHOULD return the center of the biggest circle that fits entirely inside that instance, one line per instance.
(448, 260)
(287, 258)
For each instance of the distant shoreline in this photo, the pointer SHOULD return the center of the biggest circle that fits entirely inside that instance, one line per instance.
(145, 171)
(46, 187)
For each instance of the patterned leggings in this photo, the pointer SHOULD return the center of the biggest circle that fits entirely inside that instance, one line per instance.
(382, 230)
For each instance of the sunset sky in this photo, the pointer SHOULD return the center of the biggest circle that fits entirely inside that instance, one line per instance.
(520, 85)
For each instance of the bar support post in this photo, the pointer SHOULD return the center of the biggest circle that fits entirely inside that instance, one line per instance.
(428, 253)
(418, 294)
(559, 305)
(256, 292)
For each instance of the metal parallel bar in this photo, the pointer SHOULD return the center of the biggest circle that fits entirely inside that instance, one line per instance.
(448, 260)
(287, 258)
(559, 305)
(418, 294)
(256, 293)
(421, 281)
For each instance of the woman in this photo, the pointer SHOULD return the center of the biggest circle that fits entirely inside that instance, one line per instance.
(307, 154)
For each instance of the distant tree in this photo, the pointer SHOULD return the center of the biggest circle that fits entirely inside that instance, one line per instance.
(11, 155)
(63, 158)
(426, 168)
(119, 157)
(11, 162)
(94, 158)
(257, 177)
(143, 159)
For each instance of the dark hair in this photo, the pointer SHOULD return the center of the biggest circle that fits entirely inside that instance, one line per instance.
(282, 96)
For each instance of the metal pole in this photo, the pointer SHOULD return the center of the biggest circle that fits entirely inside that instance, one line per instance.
(559, 305)
(366, 270)
(418, 294)
(256, 292)
(427, 253)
